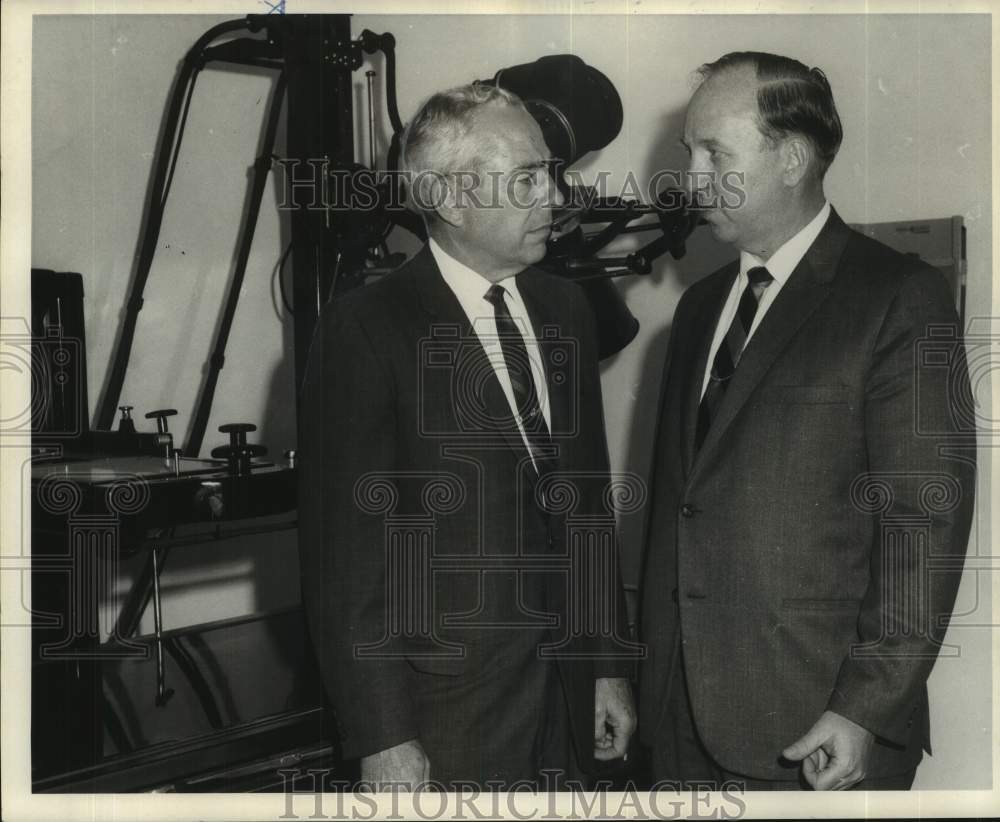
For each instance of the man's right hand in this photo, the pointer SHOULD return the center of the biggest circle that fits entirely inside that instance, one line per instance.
(404, 765)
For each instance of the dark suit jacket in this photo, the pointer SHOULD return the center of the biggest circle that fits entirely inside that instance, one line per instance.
(792, 552)
(404, 430)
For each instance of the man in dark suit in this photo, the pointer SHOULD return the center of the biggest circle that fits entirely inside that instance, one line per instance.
(453, 434)
(801, 488)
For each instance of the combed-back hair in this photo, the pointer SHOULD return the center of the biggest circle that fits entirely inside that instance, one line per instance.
(435, 143)
(791, 99)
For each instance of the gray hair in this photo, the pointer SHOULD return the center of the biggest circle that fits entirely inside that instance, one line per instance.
(435, 143)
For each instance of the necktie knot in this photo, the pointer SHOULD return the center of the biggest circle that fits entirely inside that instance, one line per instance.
(495, 295)
(759, 275)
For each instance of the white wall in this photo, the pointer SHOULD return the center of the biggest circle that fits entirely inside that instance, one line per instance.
(914, 97)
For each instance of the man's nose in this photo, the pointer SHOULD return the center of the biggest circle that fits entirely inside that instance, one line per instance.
(555, 196)
(697, 180)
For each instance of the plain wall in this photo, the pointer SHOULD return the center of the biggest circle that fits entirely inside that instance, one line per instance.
(913, 93)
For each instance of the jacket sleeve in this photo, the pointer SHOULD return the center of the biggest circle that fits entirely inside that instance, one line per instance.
(346, 430)
(920, 483)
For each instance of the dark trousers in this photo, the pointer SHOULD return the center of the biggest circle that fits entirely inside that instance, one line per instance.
(496, 727)
(678, 754)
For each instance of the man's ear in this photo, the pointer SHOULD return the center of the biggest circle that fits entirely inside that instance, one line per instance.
(797, 157)
(447, 201)
(433, 191)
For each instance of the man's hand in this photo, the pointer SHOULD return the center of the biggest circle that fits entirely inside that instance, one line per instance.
(405, 765)
(834, 753)
(614, 717)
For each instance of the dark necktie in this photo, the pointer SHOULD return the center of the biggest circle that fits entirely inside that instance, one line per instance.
(731, 349)
(515, 356)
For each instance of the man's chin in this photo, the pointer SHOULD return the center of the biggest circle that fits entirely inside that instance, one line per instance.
(723, 232)
(536, 251)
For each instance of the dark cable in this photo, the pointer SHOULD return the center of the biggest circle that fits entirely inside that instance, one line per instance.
(281, 280)
(177, 142)
(389, 49)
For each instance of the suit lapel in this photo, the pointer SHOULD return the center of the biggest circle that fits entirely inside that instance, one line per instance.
(704, 320)
(806, 288)
(445, 311)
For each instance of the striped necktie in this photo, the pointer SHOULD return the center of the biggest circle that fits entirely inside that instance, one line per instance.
(515, 356)
(731, 349)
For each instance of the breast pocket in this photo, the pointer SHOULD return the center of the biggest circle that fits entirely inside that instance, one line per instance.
(821, 605)
(439, 665)
(806, 395)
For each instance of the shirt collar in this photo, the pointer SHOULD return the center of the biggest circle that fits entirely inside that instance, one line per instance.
(782, 263)
(469, 286)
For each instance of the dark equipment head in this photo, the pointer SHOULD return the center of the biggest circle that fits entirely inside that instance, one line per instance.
(578, 110)
(577, 107)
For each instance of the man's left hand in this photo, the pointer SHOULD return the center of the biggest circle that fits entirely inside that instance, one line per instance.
(614, 717)
(834, 753)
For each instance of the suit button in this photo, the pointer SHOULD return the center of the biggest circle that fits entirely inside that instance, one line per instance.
(687, 510)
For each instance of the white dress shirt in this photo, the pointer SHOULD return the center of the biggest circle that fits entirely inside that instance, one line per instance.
(470, 288)
(780, 265)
